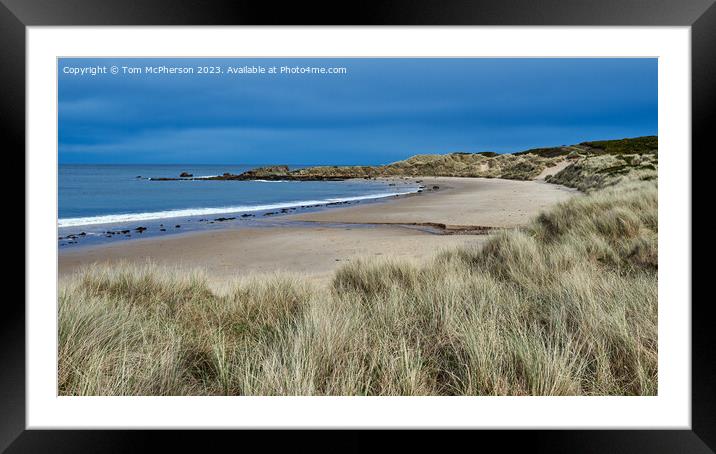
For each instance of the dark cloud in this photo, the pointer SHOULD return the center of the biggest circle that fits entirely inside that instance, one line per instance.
(382, 110)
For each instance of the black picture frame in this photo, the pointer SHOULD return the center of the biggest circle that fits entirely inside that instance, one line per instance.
(16, 15)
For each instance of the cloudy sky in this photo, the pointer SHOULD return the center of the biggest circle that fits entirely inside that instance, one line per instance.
(380, 111)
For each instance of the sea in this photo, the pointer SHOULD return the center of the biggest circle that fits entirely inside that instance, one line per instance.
(109, 203)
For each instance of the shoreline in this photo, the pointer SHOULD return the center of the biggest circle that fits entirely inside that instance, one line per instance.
(185, 213)
(413, 227)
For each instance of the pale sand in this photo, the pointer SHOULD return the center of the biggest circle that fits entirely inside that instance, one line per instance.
(458, 202)
(318, 250)
(314, 251)
(553, 170)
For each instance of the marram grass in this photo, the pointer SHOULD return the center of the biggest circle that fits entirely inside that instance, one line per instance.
(565, 306)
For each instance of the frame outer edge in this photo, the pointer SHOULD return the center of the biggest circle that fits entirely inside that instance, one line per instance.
(12, 322)
(703, 101)
(12, 33)
(394, 12)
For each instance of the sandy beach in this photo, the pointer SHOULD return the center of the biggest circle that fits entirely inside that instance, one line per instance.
(457, 202)
(324, 240)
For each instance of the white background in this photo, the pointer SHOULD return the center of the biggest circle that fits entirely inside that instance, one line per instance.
(670, 409)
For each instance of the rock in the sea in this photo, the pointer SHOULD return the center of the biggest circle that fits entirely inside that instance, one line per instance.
(185, 175)
(177, 226)
(140, 229)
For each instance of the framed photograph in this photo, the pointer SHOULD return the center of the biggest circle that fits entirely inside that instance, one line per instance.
(417, 216)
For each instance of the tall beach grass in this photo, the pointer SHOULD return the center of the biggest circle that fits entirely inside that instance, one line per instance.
(564, 306)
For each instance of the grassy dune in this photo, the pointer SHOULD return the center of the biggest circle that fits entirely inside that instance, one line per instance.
(488, 165)
(595, 172)
(564, 306)
(523, 165)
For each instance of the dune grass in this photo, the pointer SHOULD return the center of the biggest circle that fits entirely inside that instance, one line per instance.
(594, 172)
(564, 306)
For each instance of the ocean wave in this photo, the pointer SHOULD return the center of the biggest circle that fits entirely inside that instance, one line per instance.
(186, 212)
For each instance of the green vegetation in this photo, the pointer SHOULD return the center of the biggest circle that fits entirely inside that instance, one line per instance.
(638, 145)
(552, 152)
(598, 171)
(564, 306)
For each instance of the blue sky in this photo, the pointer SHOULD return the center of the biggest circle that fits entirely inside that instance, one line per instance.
(381, 110)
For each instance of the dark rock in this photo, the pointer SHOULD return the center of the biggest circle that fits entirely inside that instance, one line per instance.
(247, 215)
(177, 226)
(140, 229)
(224, 219)
(162, 230)
(185, 175)
(436, 187)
